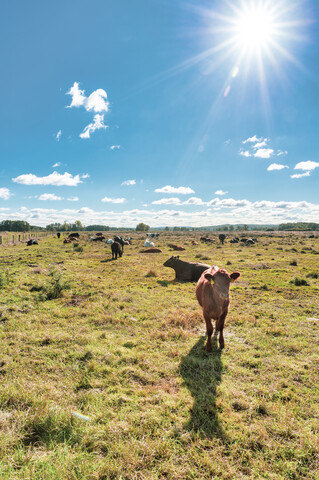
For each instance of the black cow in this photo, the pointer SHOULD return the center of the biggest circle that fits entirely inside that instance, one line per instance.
(120, 240)
(186, 271)
(58, 234)
(74, 234)
(32, 242)
(222, 238)
(116, 248)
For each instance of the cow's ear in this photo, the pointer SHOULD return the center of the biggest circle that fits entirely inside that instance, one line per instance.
(234, 276)
(209, 276)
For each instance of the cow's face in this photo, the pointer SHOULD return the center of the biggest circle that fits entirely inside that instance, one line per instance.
(222, 279)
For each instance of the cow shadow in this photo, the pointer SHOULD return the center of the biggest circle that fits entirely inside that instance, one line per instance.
(202, 373)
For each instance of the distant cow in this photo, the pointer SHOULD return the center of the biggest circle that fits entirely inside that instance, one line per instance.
(214, 300)
(206, 239)
(152, 235)
(176, 247)
(97, 239)
(194, 242)
(234, 240)
(67, 240)
(58, 234)
(120, 240)
(148, 243)
(74, 234)
(32, 242)
(116, 248)
(186, 271)
(222, 238)
(151, 250)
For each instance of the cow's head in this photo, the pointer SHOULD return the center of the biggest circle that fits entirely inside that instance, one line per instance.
(221, 277)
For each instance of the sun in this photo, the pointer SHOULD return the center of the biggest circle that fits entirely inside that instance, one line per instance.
(254, 28)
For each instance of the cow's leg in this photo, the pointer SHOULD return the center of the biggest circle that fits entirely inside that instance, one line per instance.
(209, 330)
(220, 327)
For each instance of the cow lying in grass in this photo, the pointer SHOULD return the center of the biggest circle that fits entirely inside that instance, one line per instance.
(186, 271)
(214, 300)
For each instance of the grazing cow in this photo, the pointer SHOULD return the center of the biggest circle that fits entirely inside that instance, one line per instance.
(214, 300)
(74, 234)
(222, 238)
(116, 248)
(32, 242)
(151, 250)
(58, 234)
(186, 271)
(178, 248)
(120, 240)
(97, 239)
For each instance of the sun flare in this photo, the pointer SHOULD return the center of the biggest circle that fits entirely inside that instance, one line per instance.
(254, 29)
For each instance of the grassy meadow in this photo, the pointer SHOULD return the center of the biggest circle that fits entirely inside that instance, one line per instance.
(122, 344)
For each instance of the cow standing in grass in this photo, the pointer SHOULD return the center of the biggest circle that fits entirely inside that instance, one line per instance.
(116, 248)
(214, 300)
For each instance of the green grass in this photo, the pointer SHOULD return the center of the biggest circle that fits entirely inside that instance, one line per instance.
(122, 343)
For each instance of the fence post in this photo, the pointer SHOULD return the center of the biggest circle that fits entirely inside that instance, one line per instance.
(0, 239)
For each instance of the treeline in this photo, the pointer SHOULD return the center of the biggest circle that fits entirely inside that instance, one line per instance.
(14, 226)
(300, 226)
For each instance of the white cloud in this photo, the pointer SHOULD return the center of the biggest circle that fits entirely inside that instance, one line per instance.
(58, 135)
(254, 139)
(57, 164)
(300, 175)
(92, 127)
(276, 166)
(220, 192)
(54, 178)
(113, 200)
(264, 153)
(179, 190)
(281, 152)
(309, 165)
(5, 193)
(96, 102)
(129, 182)
(115, 147)
(260, 145)
(167, 201)
(49, 196)
(245, 153)
(78, 97)
(73, 199)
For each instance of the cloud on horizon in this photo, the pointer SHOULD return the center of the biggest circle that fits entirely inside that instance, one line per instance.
(178, 190)
(113, 200)
(55, 178)
(49, 196)
(220, 192)
(276, 166)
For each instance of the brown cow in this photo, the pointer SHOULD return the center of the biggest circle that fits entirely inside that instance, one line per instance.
(176, 247)
(151, 250)
(214, 300)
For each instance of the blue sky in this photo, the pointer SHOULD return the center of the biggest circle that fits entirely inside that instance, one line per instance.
(166, 112)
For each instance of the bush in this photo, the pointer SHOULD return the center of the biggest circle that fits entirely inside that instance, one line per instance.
(299, 282)
(54, 288)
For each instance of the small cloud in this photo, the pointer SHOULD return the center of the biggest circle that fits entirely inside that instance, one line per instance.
(220, 192)
(54, 178)
(201, 148)
(115, 147)
(281, 152)
(49, 196)
(96, 102)
(58, 164)
(5, 193)
(276, 166)
(167, 201)
(309, 165)
(300, 175)
(227, 142)
(98, 123)
(113, 200)
(245, 153)
(264, 153)
(129, 182)
(179, 190)
(58, 135)
(73, 199)
(254, 139)
(260, 145)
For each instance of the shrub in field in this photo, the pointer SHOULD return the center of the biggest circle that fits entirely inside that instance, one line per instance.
(77, 248)
(54, 288)
(299, 282)
(4, 279)
(312, 275)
